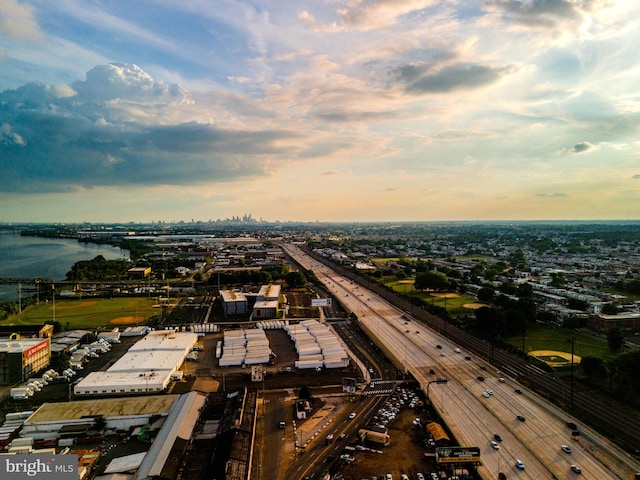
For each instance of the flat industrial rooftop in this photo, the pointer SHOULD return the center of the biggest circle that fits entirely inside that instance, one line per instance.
(108, 407)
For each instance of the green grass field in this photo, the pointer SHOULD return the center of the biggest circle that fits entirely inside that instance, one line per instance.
(454, 303)
(87, 313)
(542, 338)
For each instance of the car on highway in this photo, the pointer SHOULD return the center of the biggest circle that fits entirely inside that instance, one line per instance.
(420, 476)
(497, 437)
(480, 378)
(517, 390)
(495, 445)
(501, 379)
(521, 418)
(352, 415)
(404, 476)
(438, 346)
(490, 392)
(566, 448)
(519, 464)
(442, 354)
(485, 394)
(575, 468)
(457, 350)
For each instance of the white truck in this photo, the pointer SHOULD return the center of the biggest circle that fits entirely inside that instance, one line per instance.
(20, 393)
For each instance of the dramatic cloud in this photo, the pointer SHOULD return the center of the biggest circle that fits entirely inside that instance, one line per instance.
(55, 142)
(367, 14)
(457, 77)
(540, 13)
(311, 110)
(581, 147)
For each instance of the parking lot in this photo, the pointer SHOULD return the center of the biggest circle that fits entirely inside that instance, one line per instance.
(409, 442)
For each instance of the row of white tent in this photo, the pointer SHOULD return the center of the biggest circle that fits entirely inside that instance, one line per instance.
(248, 347)
(317, 346)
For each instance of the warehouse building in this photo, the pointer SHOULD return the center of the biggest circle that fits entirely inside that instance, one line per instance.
(22, 358)
(56, 420)
(149, 366)
(266, 305)
(234, 302)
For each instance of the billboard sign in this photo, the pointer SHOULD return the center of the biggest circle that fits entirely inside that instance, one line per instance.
(36, 348)
(457, 454)
(320, 302)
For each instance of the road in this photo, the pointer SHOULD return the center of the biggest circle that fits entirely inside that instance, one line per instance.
(471, 417)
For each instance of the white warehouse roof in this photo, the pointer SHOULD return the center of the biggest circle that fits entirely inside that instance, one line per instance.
(146, 367)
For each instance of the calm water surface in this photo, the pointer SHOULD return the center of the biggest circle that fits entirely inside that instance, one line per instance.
(49, 258)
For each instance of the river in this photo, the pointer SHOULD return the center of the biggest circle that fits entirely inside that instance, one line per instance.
(47, 258)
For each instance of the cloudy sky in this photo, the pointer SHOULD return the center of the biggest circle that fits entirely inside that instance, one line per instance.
(329, 110)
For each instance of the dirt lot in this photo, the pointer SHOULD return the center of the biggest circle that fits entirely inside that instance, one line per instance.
(405, 454)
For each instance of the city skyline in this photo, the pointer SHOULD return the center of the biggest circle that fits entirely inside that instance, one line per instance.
(333, 111)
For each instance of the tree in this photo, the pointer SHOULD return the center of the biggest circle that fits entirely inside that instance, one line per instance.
(558, 280)
(593, 367)
(486, 294)
(610, 309)
(60, 361)
(615, 339)
(305, 393)
(295, 279)
(487, 322)
(525, 290)
(431, 281)
(577, 304)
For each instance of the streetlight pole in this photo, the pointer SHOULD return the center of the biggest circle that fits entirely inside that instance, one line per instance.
(437, 380)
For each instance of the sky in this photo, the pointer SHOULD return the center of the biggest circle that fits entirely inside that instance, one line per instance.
(319, 110)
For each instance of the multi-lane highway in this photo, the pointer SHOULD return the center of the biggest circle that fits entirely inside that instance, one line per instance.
(471, 416)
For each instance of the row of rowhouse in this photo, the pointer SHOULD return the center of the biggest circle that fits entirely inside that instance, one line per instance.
(317, 346)
(248, 347)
